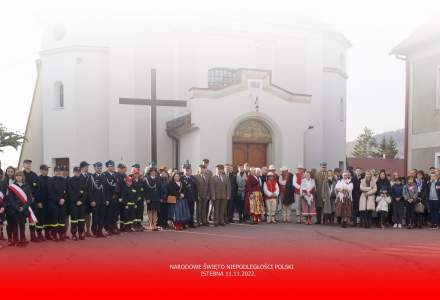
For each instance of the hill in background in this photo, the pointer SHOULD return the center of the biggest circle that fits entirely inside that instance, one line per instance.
(398, 136)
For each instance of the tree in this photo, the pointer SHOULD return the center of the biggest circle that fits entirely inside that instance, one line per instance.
(365, 145)
(10, 139)
(391, 150)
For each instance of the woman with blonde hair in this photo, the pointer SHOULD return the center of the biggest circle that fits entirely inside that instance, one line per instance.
(367, 201)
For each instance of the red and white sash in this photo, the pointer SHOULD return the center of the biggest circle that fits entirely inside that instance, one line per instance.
(23, 198)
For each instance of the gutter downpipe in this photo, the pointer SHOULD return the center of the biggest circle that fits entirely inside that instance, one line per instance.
(407, 81)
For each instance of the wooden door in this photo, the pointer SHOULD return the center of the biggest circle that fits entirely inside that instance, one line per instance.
(257, 155)
(63, 163)
(254, 154)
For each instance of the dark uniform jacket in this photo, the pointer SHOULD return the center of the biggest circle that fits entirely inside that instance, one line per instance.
(154, 189)
(190, 188)
(42, 190)
(96, 191)
(129, 195)
(31, 179)
(110, 184)
(77, 190)
(57, 188)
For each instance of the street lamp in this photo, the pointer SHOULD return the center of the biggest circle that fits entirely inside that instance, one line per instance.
(310, 127)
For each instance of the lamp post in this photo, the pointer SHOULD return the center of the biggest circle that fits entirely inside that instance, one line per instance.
(310, 127)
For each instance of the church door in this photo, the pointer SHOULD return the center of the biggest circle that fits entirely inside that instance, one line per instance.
(250, 141)
(254, 154)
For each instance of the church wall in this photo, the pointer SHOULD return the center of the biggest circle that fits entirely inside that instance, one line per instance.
(216, 129)
(190, 149)
(83, 134)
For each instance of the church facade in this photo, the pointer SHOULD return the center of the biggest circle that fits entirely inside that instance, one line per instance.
(267, 93)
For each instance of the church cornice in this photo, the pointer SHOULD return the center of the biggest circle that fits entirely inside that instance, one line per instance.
(74, 48)
(243, 75)
(337, 71)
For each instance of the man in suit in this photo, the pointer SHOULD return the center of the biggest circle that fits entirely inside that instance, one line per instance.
(234, 188)
(433, 196)
(202, 183)
(189, 182)
(220, 194)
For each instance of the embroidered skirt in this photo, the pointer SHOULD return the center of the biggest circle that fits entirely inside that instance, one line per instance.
(306, 209)
(344, 207)
(256, 203)
(179, 212)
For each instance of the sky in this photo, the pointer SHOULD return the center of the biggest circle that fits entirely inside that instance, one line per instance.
(376, 84)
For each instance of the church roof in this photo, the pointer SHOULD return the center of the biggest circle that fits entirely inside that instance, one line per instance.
(179, 125)
(427, 34)
(241, 84)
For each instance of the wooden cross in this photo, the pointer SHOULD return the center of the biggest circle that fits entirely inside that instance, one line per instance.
(153, 103)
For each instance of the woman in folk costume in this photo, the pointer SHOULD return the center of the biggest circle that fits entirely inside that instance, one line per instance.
(367, 201)
(328, 197)
(344, 204)
(153, 196)
(285, 183)
(17, 207)
(308, 198)
(271, 192)
(254, 198)
(178, 211)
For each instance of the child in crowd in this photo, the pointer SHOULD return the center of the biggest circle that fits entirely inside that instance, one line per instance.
(383, 201)
(397, 202)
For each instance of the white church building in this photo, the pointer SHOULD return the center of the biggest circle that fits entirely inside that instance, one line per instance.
(260, 92)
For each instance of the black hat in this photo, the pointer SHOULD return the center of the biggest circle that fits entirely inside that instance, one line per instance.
(136, 165)
(97, 164)
(110, 163)
(44, 167)
(323, 164)
(187, 165)
(27, 161)
(83, 164)
(121, 166)
(76, 169)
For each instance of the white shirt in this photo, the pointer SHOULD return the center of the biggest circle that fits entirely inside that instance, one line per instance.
(268, 193)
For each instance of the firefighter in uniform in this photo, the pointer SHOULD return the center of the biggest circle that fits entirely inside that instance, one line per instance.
(191, 190)
(31, 180)
(57, 189)
(41, 204)
(140, 186)
(129, 197)
(120, 185)
(96, 198)
(77, 187)
(111, 198)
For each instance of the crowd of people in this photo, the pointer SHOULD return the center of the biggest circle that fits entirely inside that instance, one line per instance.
(109, 202)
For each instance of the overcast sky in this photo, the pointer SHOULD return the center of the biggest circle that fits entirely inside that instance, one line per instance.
(376, 79)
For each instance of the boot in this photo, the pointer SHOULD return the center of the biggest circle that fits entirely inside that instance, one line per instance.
(368, 224)
(2, 237)
(47, 235)
(33, 235)
(40, 236)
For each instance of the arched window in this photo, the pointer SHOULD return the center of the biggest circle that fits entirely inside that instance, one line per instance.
(59, 94)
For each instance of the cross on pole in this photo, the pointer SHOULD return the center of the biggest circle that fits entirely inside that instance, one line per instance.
(153, 103)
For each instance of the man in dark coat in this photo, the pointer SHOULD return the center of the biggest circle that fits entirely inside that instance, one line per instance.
(111, 198)
(96, 199)
(57, 189)
(77, 190)
(31, 180)
(234, 190)
(356, 193)
(191, 190)
(41, 204)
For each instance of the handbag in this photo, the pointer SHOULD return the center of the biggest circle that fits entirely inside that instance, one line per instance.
(171, 199)
(420, 208)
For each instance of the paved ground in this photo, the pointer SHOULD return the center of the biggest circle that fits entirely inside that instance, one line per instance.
(323, 253)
